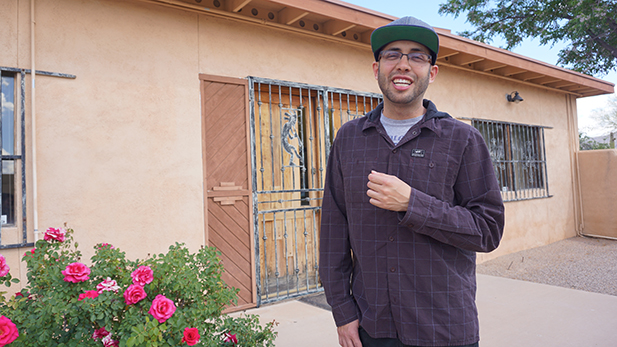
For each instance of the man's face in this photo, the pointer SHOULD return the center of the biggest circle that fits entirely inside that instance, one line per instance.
(404, 81)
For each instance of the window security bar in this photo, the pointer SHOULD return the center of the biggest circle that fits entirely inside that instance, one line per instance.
(519, 158)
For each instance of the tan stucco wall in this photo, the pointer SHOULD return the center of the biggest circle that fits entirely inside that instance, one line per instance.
(231, 48)
(119, 147)
(599, 186)
(529, 223)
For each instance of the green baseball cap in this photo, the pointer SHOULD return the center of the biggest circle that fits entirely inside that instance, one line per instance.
(406, 28)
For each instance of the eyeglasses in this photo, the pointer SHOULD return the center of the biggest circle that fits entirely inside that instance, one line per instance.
(416, 58)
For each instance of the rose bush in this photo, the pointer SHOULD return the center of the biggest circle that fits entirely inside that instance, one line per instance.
(172, 299)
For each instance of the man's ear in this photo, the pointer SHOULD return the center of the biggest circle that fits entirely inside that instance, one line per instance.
(433, 73)
(376, 69)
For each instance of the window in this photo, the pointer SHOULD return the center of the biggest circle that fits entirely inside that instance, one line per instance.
(518, 156)
(12, 224)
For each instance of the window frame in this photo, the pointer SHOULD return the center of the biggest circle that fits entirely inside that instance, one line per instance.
(19, 227)
(518, 154)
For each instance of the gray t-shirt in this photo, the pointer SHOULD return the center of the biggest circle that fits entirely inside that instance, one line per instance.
(396, 129)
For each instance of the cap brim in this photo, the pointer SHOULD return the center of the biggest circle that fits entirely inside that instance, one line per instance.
(384, 35)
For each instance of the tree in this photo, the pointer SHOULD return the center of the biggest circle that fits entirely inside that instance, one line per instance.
(606, 119)
(587, 143)
(607, 116)
(589, 26)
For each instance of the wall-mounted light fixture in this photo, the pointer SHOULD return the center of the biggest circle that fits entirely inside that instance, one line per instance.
(514, 97)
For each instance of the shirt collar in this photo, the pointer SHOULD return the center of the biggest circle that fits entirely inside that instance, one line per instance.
(427, 122)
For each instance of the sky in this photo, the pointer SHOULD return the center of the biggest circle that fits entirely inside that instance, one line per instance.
(428, 12)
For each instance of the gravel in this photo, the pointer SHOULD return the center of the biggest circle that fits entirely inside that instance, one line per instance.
(581, 263)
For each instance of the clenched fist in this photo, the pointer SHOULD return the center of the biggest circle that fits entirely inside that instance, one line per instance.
(388, 192)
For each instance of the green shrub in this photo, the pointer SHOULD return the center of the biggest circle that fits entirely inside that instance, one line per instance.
(183, 303)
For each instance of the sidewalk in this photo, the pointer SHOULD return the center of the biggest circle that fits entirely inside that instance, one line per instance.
(513, 313)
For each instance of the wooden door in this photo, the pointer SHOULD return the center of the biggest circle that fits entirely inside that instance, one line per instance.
(227, 184)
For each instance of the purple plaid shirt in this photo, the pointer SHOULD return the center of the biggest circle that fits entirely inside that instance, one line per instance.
(409, 275)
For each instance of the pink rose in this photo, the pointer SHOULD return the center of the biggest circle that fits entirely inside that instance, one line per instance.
(105, 245)
(108, 342)
(31, 252)
(162, 308)
(134, 294)
(4, 268)
(227, 337)
(142, 276)
(88, 294)
(100, 333)
(55, 234)
(76, 272)
(191, 336)
(108, 285)
(8, 331)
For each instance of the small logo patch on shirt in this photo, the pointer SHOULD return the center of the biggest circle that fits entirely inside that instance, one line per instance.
(418, 153)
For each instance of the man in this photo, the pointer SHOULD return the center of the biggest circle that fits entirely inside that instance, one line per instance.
(410, 196)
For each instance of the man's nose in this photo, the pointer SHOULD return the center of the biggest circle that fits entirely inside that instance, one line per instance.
(404, 64)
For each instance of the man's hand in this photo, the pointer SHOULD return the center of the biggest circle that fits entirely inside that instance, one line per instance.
(388, 192)
(348, 335)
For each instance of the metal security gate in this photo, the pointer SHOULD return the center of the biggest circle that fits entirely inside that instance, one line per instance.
(292, 129)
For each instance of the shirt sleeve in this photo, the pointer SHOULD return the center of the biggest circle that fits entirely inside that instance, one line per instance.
(335, 257)
(476, 221)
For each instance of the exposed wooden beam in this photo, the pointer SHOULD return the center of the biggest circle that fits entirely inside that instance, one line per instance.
(560, 84)
(446, 52)
(488, 65)
(290, 15)
(588, 91)
(236, 5)
(575, 88)
(509, 71)
(335, 27)
(529, 75)
(339, 11)
(546, 80)
(465, 59)
(366, 36)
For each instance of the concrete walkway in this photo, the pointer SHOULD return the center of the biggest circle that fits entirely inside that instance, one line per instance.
(513, 313)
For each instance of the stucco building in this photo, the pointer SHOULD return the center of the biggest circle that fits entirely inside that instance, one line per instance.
(151, 122)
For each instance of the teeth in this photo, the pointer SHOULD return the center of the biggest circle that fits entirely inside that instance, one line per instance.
(402, 81)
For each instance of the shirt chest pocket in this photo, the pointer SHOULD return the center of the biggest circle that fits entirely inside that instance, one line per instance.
(432, 174)
(355, 176)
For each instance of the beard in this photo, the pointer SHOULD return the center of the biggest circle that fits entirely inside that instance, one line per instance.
(417, 90)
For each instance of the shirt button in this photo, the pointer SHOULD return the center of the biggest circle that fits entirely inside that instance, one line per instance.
(391, 238)
(394, 151)
(415, 132)
(392, 269)
(431, 165)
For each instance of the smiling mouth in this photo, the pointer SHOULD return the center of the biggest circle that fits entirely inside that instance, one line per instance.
(401, 82)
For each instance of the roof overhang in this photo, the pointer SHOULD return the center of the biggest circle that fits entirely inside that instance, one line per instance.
(343, 22)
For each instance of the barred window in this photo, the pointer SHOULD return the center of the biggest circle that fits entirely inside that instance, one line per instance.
(519, 158)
